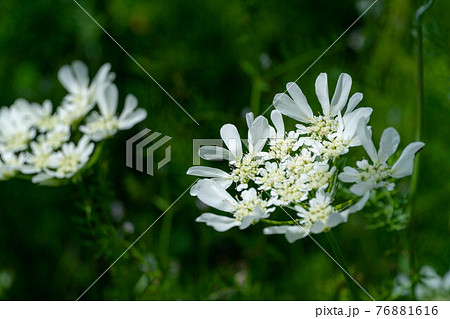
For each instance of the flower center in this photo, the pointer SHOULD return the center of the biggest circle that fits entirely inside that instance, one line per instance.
(247, 206)
(377, 172)
(322, 127)
(69, 163)
(17, 141)
(245, 169)
(320, 212)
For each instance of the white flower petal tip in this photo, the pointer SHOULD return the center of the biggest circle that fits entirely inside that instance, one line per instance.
(405, 164)
(296, 107)
(388, 144)
(213, 194)
(218, 222)
(292, 233)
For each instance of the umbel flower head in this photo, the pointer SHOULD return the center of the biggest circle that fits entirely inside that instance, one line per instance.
(52, 145)
(291, 180)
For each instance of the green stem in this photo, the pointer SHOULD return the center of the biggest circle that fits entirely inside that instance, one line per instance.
(280, 223)
(341, 261)
(415, 175)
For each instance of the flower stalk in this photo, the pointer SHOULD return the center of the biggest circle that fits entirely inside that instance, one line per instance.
(341, 261)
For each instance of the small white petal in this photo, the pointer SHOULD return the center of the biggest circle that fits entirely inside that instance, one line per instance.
(277, 120)
(249, 118)
(350, 175)
(361, 188)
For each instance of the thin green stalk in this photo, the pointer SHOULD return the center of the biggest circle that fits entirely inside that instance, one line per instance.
(280, 223)
(419, 13)
(340, 259)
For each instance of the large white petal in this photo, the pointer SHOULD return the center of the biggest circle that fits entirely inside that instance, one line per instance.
(107, 98)
(212, 194)
(223, 182)
(215, 153)
(405, 164)
(296, 108)
(102, 76)
(131, 103)
(81, 73)
(322, 93)
(232, 140)
(65, 76)
(218, 222)
(388, 144)
(366, 139)
(205, 171)
(128, 122)
(317, 228)
(361, 188)
(341, 93)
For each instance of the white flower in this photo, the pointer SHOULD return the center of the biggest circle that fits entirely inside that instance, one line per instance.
(41, 116)
(10, 164)
(376, 175)
(244, 167)
(280, 144)
(39, 158)
(15, 129)
(245, 212)
(56, 137)
(258, 133)
(332, 133)
(430, 287)
(71, 158)
(319, 217)
(106, 124)
(82, 94)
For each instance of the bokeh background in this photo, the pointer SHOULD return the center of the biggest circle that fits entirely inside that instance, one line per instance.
(219, 59)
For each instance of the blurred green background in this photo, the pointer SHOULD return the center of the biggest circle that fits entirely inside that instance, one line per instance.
(219, 59)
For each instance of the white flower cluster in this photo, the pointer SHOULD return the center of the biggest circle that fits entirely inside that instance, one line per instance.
(47, 144)
(430, 287)
(297, 169)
